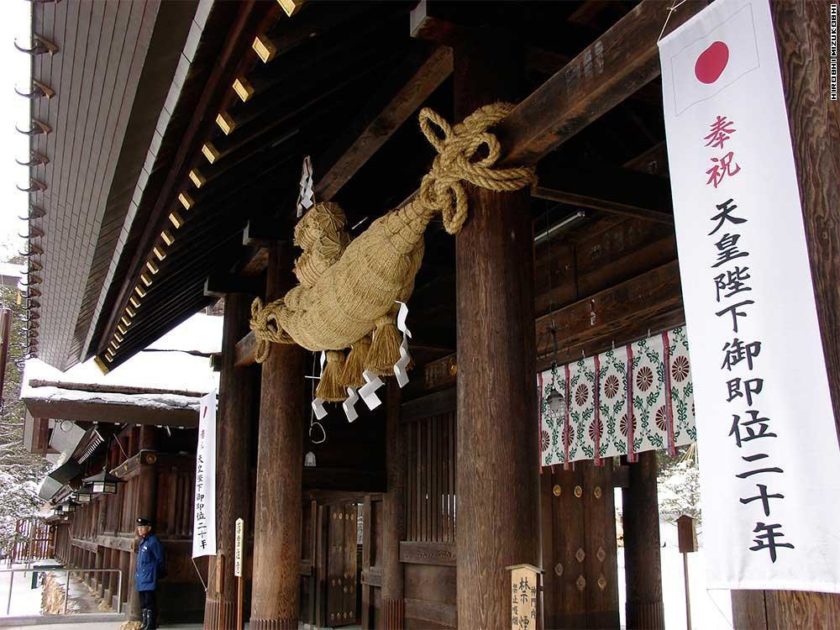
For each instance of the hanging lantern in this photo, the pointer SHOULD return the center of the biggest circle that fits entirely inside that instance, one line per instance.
(557, 404)
(68, 507)
(83, 495)
(102, 482)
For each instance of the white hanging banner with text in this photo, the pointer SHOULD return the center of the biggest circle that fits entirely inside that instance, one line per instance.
(204, 512)
(769, 456)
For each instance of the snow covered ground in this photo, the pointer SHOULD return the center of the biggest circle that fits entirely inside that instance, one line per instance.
(710, 609)
(25, 600)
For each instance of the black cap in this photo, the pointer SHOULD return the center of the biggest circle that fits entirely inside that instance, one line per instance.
(144, 522)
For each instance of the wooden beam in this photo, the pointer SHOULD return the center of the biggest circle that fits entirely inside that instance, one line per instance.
(245, 350)
(220, 285)
(99, 411)
(262, 231)
(379, 124)
(602, 76)
(343, 480)
(610, 190)
(651, 301)
(112, 389)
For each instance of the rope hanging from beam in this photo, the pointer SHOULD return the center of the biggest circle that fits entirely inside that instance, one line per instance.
(348, 291)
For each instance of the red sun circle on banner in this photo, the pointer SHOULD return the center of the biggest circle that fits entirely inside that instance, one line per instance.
(711, 62)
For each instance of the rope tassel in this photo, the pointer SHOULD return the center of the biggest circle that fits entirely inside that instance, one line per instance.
(385, 348)
(329, 387)
(354, 367)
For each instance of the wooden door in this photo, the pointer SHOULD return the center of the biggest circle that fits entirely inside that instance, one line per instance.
(341, 565)
(579, 547)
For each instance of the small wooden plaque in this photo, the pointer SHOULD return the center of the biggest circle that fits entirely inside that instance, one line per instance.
(525, 597)
(686, 534)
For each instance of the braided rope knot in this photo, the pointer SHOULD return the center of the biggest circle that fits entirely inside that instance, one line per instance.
(459, 159)
(266, 328)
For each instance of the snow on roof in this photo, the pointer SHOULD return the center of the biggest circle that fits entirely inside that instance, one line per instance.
(165, 365)
(200, 333)
(173, 371)
(149, 401)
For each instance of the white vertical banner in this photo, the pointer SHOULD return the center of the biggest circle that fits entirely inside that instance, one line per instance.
(769, 456)
(204, 511)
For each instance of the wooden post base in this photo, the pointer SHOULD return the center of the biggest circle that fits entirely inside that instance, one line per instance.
(394, 614)
(219, 615)
(273, 624)
(645, 615)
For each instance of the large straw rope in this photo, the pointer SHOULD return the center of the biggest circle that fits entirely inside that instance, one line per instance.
(347, 293)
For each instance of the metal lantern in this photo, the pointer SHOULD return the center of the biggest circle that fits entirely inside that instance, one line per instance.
(102, 482)
(82, 495)
(557, 404)
(68, 507)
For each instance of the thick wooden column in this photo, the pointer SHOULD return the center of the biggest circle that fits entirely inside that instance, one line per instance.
(233, 439)
(146, 505)
(802, 37)
(642, 568)
(497, 470)
(393, 515)
(127, 578)
(275, 597)
(99, 578)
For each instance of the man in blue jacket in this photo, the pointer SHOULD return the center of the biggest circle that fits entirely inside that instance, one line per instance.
(150, 568)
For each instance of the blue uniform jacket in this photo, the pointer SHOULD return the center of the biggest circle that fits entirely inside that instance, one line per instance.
(149, 563)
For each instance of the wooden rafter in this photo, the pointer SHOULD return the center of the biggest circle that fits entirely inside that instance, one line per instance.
(606, 73)
(380, 124)
(615, 191)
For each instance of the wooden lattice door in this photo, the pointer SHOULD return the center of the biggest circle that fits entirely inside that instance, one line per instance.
(342, 609)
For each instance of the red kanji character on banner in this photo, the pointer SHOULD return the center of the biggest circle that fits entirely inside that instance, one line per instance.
(721, 131)
(722, 167)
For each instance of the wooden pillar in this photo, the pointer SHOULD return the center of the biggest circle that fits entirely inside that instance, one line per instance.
(108, 579)
(498, 457)
(127, 579)
(642, 568)
(802, 37)
(275, 595)
(393, 515)
(233, 462)
(146, 505)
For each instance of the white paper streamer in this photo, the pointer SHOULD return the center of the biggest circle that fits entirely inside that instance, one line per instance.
(368, 390)
(349, 405)
(318, 404)
(306, 196)
(401, 366)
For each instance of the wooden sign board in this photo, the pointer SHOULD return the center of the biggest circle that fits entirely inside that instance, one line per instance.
(525, 597)
(686, 534)
(237, 558)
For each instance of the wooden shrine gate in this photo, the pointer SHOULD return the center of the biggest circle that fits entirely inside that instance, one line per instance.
(34, 540)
